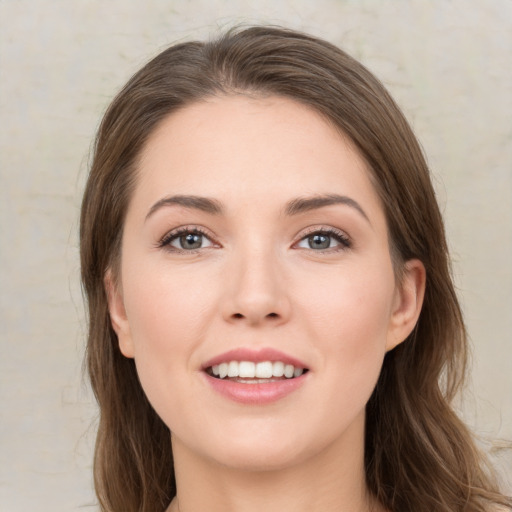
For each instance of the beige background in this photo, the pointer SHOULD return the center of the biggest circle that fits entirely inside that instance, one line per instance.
(449, 65)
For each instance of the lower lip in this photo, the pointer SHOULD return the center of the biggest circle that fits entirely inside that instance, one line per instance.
(260, 393)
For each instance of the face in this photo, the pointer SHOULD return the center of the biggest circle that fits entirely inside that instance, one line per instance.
(255, 236)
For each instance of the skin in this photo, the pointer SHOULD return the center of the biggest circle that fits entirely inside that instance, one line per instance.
(257, 282)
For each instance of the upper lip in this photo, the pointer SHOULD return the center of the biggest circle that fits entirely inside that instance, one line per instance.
(255, 356)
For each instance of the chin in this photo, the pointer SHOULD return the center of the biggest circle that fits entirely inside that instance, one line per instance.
(255, 447)
(256, 459)
(266, 447)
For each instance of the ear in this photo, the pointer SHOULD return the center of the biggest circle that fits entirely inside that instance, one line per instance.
(118, 316)
(407, 304)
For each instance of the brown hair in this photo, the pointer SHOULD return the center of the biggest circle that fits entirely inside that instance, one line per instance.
(419, 456)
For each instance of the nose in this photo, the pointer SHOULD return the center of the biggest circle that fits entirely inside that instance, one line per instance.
(256, 291)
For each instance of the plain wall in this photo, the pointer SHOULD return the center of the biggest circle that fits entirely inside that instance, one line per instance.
(448, 63)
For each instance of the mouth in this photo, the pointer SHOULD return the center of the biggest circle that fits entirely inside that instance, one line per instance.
(249, 372)
(255, 377)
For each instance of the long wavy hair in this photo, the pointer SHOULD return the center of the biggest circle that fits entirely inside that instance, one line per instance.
(419, 456)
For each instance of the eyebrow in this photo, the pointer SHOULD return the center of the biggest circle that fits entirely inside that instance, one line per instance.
(204, 204)
(293, 207)
(305, 204)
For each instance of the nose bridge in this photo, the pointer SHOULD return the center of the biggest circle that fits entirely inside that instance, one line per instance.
(256, 288)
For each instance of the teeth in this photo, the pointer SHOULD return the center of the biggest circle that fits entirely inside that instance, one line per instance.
(250, 370)
(246, 369)
(223, 370)
(233, 369)
(288, 371)
(278, 369)
(264, 370)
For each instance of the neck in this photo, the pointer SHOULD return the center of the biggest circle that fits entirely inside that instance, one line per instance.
(330, 481)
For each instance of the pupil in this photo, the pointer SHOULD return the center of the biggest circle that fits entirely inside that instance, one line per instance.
(319, 241)
(191, 241)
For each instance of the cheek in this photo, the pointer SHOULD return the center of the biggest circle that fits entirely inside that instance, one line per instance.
(351, 304)
(169, 310)
(350, 322)
(166, 309)
(164, 335)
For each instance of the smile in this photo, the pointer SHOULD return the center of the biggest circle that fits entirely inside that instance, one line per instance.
(248, 372)
(255, 377)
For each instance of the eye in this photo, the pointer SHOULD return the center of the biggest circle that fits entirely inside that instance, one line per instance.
(185, 240)
(325, 239)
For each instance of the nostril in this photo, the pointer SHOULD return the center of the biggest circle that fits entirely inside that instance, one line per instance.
(269, 315)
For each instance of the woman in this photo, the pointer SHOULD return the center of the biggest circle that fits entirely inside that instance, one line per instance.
(272, 320)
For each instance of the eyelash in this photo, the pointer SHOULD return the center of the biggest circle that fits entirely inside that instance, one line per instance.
(165, 242)
(339, 236)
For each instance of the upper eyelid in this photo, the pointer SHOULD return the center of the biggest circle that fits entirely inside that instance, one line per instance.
(324, 229)
(205, 231)
(175, 232)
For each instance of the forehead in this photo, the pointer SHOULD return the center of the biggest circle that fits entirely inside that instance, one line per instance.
(251, 151)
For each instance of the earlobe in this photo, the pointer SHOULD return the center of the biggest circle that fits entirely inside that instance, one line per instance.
(407, 304)
(118, 317)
